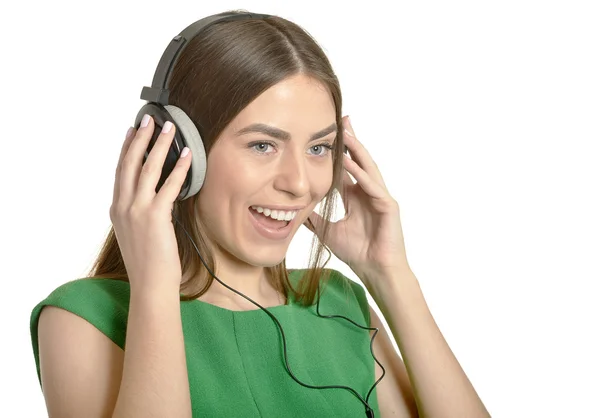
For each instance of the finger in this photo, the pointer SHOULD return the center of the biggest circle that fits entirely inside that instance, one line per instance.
(347, 179)
(124, 148)
(173, 183)
(347, 183)
(153, 166)
(364, 180)
(359, 153)
(132, 162)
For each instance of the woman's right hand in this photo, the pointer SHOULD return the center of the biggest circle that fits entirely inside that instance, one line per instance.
(142, 218)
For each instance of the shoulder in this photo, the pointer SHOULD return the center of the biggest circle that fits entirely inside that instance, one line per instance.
(77, 310)
(344, 293)
(87, 296)
(350, 286)
(329, 276)
(92, 289)
(74, 344)
(103, 302)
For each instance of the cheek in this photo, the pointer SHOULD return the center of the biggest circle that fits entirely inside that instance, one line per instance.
(223, 175)
(321, 181)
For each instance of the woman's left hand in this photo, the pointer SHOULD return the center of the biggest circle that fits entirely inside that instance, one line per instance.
(369, 238)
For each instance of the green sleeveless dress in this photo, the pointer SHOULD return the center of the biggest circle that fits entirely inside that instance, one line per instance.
(235, 359)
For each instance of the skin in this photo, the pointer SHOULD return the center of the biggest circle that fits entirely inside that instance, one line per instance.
(431, 383)
(297, 172)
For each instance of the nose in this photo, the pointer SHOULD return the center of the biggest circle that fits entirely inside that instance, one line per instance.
(292, 174)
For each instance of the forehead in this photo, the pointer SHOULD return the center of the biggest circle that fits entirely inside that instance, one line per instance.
(298, 104)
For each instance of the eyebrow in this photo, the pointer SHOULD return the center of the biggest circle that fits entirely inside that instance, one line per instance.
(281, 134)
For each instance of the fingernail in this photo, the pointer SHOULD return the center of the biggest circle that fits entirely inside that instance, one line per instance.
(145, 120)
(167, 127)
(129, 132)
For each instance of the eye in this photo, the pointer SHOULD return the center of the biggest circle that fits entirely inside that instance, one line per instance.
(261, 147)
(326, 146)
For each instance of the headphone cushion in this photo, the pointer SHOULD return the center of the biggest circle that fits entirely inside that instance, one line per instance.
(193, 141)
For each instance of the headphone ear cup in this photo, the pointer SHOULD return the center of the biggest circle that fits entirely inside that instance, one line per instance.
(160, 117)
(186, 134)
(192, 139)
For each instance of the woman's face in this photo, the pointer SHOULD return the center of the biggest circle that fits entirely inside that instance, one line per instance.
(288, 167)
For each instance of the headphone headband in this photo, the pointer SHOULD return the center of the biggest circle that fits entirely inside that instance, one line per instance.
(159, 93)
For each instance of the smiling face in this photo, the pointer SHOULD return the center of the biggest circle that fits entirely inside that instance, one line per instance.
(274, 153)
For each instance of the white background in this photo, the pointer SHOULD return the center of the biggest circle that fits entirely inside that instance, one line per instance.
(484, 119)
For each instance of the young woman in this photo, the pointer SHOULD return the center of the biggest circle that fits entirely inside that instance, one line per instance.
(190, 310)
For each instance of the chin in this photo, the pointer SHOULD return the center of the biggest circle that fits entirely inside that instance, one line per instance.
(266, 258)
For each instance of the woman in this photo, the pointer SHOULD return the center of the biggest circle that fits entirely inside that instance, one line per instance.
(150, 334)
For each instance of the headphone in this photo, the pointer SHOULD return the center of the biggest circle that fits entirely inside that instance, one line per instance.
(186, 134)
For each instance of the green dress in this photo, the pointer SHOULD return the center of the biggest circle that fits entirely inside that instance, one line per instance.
(235, 360)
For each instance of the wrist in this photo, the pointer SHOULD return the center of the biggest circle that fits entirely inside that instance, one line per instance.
(390, 285)
(154, 290)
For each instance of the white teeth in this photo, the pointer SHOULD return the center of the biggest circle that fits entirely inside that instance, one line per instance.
(279, 215)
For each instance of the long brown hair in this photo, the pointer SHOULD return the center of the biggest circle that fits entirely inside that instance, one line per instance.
(220, 72)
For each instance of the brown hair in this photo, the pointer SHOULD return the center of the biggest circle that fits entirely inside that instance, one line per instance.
(222, 70)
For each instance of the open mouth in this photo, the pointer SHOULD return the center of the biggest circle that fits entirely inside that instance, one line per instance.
(267, 221)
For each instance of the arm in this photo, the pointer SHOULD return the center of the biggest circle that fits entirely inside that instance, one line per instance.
(84, 373)
(394, 392)
(155, 379)
(440, 386)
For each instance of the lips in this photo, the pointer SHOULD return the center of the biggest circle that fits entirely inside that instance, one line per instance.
(269, 222)
(261, 225)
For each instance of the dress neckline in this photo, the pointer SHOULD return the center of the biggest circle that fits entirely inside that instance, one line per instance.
(290, 303)
(287, 306)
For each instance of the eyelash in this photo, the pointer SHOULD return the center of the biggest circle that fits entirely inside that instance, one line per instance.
(326, 145)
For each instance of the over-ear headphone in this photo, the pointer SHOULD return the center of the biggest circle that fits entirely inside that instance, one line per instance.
(158, 106)
(187, 134)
